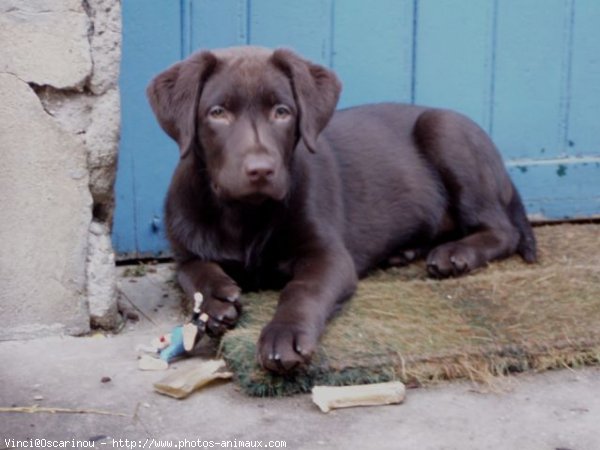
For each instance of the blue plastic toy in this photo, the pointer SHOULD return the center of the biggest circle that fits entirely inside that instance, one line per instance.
(183, 338)
(175, 347)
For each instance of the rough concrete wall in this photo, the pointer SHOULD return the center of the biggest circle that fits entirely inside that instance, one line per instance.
(59, 128)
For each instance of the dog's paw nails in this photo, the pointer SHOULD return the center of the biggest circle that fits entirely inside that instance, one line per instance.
(284, 347)
(433, 270)
(233, 298)
(459, 265)
(222, 315)
(451, 260)
(227, 292)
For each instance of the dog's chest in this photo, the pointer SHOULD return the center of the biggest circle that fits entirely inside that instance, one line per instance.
(246, 241)
(219, 243)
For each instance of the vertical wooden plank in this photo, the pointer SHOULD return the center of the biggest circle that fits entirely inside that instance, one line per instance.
(215, 23)
(454, 56)
(372, 50)
(583, 136)
(303, 26)
(530, 78)
(146, 155)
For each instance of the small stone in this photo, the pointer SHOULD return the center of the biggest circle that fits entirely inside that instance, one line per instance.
(133, 316)
(38, 397)
(105, 379)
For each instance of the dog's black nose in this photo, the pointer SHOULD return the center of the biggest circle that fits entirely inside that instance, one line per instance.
(259, 168)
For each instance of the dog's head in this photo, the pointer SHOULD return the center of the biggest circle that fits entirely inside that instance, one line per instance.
(242, 111)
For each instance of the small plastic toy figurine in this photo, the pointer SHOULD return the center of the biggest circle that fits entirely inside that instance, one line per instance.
(174, 341)
(184, 338)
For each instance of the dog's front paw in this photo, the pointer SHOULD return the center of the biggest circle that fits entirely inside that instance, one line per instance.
(283, 347)
(222, 304)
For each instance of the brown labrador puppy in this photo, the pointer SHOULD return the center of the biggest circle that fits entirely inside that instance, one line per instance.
(274, 189)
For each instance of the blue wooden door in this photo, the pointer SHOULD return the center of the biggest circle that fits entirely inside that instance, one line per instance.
(528, 71)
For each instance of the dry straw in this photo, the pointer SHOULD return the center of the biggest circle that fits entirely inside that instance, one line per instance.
(510, 317)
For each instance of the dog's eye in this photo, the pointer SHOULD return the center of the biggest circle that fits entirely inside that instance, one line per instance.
(217, 112)
(281, 112)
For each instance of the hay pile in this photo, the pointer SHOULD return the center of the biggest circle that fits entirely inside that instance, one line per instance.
(509, 317)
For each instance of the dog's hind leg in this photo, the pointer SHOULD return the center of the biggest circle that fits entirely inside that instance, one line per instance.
(483, 204)
(475, 250)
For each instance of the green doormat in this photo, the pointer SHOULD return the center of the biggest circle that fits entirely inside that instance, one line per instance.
(509, 317)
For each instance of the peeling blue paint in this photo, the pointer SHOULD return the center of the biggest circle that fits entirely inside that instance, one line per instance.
(155, 224)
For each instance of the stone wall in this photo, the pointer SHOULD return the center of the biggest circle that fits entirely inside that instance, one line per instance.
(59, 129)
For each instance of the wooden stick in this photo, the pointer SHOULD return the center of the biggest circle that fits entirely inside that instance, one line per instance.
(331, 397)
(40, 409)
(146, 316)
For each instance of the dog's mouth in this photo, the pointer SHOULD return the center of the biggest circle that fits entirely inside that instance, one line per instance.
(255, 198)
(253, 195)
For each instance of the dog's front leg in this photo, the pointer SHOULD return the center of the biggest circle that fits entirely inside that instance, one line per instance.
(221, 294)
(321, 281)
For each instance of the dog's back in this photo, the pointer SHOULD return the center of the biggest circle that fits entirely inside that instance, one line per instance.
(401, 190)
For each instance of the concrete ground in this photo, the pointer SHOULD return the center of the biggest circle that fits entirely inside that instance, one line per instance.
(554, 410)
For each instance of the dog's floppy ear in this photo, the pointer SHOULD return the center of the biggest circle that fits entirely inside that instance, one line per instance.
(316, 91)
(174, 95)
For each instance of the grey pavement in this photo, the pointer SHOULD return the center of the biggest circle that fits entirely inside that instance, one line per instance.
(553, 410)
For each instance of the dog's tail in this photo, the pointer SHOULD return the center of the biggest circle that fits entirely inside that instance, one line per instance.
(527, 246)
